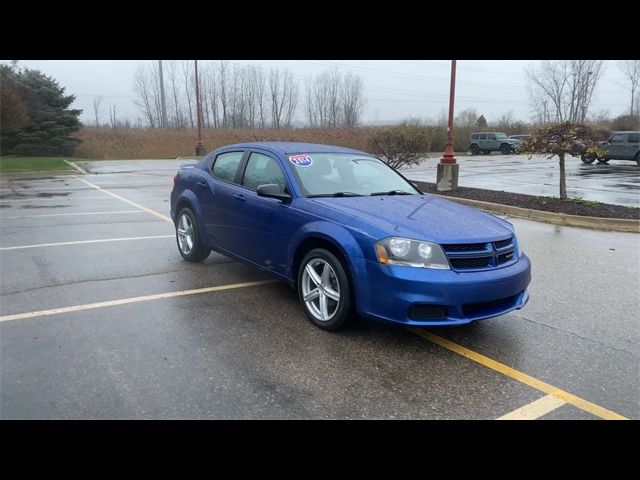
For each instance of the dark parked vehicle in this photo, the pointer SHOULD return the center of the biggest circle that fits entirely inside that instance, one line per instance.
(350, 233)
(619, 146)
(487, 142)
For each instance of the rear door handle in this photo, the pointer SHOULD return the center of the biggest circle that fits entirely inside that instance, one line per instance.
(202, 184)
(237, 196)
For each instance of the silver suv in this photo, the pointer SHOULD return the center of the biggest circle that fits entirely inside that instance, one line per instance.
(487, 142)
(620, 146)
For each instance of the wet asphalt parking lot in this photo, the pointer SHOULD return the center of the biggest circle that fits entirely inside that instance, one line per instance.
(617, 182)
(101, 318)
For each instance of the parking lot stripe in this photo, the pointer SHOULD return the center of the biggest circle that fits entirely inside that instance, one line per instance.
(57, 198)
(57, 244)
(137, 205)
(535, 409)
(125, 301)
(72, 214)
(522, 377)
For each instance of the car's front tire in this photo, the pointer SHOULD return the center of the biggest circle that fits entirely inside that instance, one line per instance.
(474, 149)
(505, 149)
(188, 237)
(603, 160)
(588, 158)
(324, 290)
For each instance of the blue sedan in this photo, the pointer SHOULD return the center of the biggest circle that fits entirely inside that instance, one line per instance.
(350, 234)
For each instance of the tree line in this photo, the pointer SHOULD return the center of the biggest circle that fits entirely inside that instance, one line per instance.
(243, 96)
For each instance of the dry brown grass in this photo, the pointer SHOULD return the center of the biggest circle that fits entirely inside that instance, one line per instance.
(105, 143)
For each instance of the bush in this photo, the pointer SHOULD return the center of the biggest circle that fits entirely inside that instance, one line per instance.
(626, 122)
(401, 145)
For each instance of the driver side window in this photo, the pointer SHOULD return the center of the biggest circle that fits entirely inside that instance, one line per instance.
(262, 170)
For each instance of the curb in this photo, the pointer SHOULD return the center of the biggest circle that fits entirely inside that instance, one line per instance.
(596, 223)
(75, 166)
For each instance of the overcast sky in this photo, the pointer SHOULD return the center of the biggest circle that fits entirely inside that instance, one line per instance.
(395, 89)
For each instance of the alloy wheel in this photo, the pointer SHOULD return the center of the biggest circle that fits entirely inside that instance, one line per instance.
(320, 289)
(185, 234)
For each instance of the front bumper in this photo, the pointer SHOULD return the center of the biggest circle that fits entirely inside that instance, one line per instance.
(388, 292)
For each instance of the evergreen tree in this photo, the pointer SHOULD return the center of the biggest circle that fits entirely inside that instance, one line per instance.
(481, 122)
(50, 122)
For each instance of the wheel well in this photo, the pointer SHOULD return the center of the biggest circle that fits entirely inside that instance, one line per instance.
(182, 204)
(316, 242)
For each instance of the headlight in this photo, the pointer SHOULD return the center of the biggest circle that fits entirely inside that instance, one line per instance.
(412, 253)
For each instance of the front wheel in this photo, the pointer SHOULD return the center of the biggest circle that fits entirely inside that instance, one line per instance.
(324, 290)
(474, 149)
(588, 158)
(505, 149)
(188, 237)
(603, 160)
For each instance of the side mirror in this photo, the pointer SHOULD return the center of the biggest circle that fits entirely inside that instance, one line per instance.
(272, 190)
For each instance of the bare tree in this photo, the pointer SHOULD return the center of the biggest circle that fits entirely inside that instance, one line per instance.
(506, 120)
(143, 86)
(283, 91)
(352, 97)
(97, 100)
(112, 115)
(189, 88)
(467, 118)
(562, 90)
(222, 82)
(631, 71)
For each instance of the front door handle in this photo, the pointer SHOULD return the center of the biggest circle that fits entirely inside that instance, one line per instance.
(202, 184)
(239, 197)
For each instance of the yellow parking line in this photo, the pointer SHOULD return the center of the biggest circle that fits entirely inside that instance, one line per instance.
(70, 214)
(137, 205)
(535, 409)
(57, 244)
(125, 301)
(533, 382)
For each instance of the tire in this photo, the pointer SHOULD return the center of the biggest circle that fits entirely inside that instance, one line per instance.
(587, 158)
(335, 280)
(603, 160)
(505, 149)
(638, 158)
(474, 149)
(188, 239)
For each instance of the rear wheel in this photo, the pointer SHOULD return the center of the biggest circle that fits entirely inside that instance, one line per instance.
(638, 158)
(188, 237)
(603, 160)
(324, 290)
(505, 149)
(474, 149)
(588, 158)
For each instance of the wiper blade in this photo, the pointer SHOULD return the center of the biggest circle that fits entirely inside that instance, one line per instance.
(336, 194)
(392, 192)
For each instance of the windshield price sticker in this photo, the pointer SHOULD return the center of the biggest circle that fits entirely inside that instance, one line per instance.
(301, 160)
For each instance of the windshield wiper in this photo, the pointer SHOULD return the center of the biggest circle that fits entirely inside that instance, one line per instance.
(392, 192)
(336, 194)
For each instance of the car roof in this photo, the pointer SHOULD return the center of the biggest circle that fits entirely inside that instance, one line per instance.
(284, 148)
(475, 133)
(625, 131)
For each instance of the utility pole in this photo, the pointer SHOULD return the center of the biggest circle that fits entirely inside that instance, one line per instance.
(163, 120)
(199, 145)
(447, 175)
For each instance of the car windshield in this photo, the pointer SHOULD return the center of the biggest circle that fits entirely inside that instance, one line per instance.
(343, 175)
(501, 136)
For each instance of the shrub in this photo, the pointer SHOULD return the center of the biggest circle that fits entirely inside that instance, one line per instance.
(401, 145)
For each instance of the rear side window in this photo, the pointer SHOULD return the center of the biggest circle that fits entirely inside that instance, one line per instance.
(483, 136)
(226, 166)
(262, 170)
(491, 136)
(634, 138)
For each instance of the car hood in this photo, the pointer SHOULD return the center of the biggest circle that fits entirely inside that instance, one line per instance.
(422, 217)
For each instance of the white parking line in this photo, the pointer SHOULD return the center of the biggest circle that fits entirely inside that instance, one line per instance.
(72, 214)
(137, 205)
(124, 301)
(102, 240)
(535, 409)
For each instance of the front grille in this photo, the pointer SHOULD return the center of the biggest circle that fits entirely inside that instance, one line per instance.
(477, 309)
(480, 256)
(462, 263)
(465, 247)
(427, 312)
(503, 243)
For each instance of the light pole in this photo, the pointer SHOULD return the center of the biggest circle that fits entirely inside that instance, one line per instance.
(199, 145)
(447, 175)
